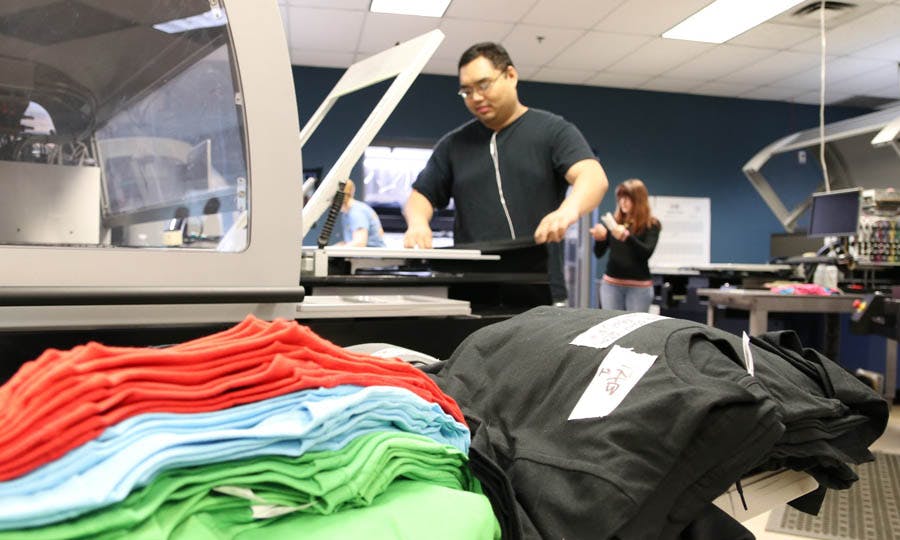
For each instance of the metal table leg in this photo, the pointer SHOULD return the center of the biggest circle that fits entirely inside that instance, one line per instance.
(890, 370)
(759, 321)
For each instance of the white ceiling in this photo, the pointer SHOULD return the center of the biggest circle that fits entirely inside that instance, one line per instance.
(617, 43)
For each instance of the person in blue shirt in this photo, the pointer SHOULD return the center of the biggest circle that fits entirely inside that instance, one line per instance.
(360, 224)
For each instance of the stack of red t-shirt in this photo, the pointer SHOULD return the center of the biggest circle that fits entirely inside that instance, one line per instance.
(66, 398)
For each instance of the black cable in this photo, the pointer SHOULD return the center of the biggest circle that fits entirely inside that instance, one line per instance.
(336, 204)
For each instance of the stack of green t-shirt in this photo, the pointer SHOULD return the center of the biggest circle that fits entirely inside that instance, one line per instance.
(259, 492)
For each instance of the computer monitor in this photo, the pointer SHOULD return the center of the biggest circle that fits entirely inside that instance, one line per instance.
(835, 213)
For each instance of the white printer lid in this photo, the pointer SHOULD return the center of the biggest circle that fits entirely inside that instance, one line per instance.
(404, 61)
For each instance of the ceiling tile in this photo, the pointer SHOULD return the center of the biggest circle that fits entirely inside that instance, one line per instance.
(577, 13)
(461, 34)
(622, 48)
(523, 44)
(774, 36)
(441, 66)
(886, 75)
(565, 76)
(886, 50)
(489, 10)
(649, 17)
(774, 68)
(303, 57)
(617, 80)
(658, 56)
(669, 84)
(527, 71)
(890, 91)
(719, 61)
(720, 89)
(313, 29)
(868, 30)
(597, 50)
(381, 31)
(359, 5)
(812, 98)
(771, 93)
(835, 70)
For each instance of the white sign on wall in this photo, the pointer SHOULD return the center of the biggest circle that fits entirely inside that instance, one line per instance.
(686, 231)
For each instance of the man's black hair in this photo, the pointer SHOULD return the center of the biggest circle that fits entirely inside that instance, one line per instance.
(490, 50)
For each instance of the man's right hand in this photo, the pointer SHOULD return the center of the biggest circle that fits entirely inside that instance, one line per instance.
(418, 212)
(417, 235)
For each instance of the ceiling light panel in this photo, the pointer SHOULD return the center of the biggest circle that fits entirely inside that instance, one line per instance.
(422, 8)
(725, 19)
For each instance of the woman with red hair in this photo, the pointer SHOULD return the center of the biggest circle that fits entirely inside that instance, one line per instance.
(630, 240)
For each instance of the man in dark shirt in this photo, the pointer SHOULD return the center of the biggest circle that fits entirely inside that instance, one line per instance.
(508, 169)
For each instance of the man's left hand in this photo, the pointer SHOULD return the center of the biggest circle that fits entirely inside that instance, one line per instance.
(553, 227)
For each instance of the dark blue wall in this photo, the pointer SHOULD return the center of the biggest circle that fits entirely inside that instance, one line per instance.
(678, 144)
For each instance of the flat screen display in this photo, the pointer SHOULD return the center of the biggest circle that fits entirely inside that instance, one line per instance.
(835, 213)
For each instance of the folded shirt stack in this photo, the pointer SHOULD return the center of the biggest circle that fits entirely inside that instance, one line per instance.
(602, 424)
(234, 432)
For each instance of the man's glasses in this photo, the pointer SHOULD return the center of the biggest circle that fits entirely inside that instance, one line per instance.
(481, 86)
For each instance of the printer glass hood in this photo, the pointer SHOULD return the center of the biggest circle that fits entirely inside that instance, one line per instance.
(123, 120)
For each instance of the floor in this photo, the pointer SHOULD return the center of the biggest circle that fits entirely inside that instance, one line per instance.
(888, 443)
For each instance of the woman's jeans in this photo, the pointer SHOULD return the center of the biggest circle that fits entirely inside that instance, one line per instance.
(625, 298)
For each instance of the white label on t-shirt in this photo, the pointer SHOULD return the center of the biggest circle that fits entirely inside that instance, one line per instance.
(268, 511)
(609, 331)
(617, 375)
(263, 510)
(389, 352)
(239, 492)
(404, 354)
(748, 356)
